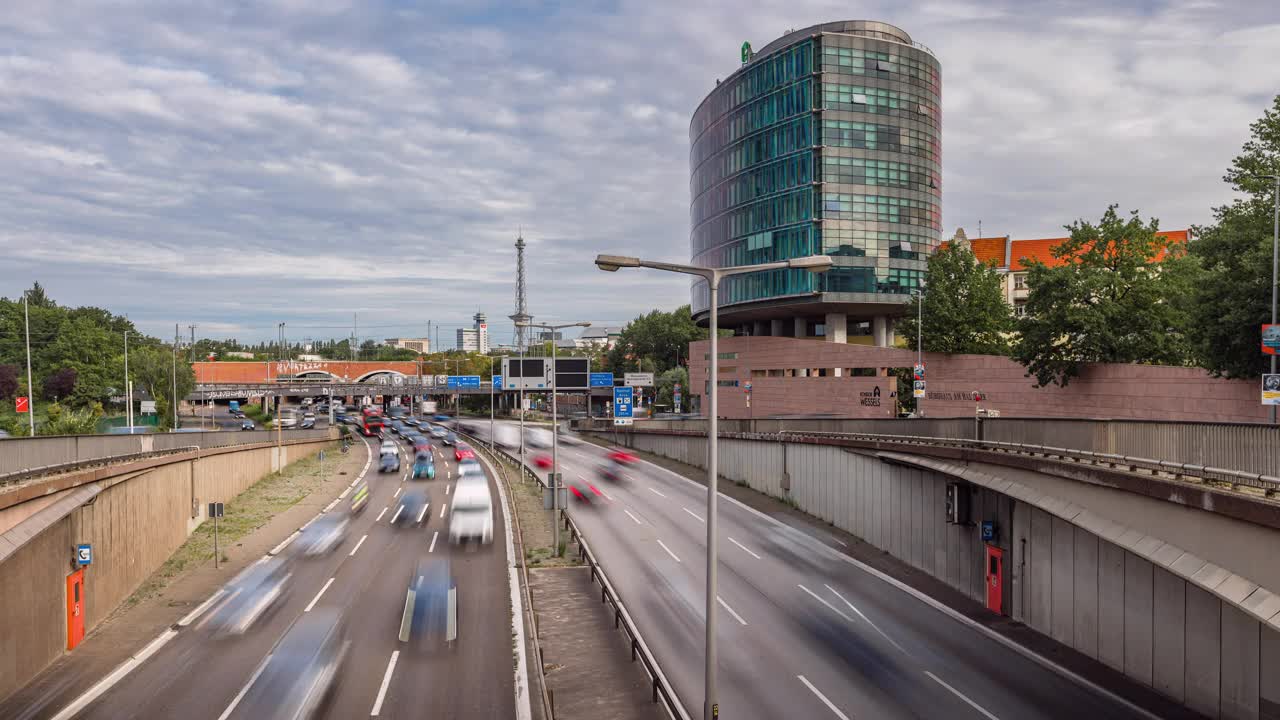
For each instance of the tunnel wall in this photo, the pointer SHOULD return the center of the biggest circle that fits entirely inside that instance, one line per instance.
(134, 526)
(1062, 580)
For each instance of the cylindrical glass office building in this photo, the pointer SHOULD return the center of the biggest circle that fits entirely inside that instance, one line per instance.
(827, 140)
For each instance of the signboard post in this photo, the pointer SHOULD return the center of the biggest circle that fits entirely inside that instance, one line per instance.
(623, 399)
(1271, 389)
(84, 554)
(601, 379)
(918, 389)
(638, 379)
(1271, 339)
(21, 405)
(215, 512)
(675, 397)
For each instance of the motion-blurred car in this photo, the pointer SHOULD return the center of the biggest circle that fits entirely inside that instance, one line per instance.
(584, 491)
(542, 461)
(441, 417)
(323, 534)
(538, 437)
(396, 426)
(360, 499)
(450, 438)
(247, 425)
(622, 457)
(296, 680)
(307, 424)
(463, 451)
(424, 465)
(421, 444)
(253, 594)
(471, 517)
(412, 508)
(437, 432)
(411, 421)
(430, 617)
(389, 462)
(469, 467)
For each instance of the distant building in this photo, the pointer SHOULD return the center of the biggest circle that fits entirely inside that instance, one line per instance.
(548, 335)
(475, 338)
(603, 338)
(239, 355)
(422, 345)
(309, 358)
(1007, 256)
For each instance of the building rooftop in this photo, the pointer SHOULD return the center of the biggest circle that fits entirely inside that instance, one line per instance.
(992, 250)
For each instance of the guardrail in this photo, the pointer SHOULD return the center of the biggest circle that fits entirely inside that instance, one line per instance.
(1236, 479)
(663, 691)
(13, 477)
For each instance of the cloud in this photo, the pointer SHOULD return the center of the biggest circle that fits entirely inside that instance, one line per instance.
(238, 166)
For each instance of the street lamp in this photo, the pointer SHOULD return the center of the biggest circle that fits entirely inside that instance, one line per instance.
(1275, 264)
(812, 263)
(555, 423)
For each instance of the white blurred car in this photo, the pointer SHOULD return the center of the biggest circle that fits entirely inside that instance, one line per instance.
(471, 517)
(324, 534)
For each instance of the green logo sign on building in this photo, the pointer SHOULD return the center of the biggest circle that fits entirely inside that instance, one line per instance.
(746, 52)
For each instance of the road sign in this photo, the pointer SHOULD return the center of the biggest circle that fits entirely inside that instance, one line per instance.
(1271, 339)
(21, 405)
(638, 379)
(84, 554)
(463, 382)
(497, 382)
(601, 379)
(919, 371)
(1271, 389)
(623, 405)
(918, 389)
(216, 510)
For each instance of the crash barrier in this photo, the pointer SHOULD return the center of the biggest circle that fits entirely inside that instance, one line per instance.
(663, 691)
(15, 477)
(48, 451)
(1247, 447)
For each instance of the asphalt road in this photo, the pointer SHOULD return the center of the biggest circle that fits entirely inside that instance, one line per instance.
(803, 633)
(198, 675)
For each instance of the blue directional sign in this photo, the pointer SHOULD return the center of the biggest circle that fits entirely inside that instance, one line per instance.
(462, 382)
(601, 380)
(623, 400)
(497, 382)
(84, 554)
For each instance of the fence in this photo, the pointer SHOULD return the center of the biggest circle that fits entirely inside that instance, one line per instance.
(18, 454)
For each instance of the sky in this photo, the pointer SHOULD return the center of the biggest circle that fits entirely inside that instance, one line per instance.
(235, 165)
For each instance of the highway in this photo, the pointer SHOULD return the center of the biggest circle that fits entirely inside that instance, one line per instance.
(803, 632)
(197, 674)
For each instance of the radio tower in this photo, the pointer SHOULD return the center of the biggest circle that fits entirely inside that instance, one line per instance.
(521, 315)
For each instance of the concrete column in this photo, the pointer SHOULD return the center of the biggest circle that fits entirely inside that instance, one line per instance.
(775, 328)
(879, 330)
(837, 327)
(891, 334)
(757, 328)
(801, 327)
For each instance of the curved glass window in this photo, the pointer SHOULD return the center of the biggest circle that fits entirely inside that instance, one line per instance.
(880, 208)
(880, 101)
(861, 171)
(874, 136)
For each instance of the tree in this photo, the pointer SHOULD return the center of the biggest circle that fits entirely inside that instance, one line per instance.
(655, 341)
(1108, 302)
(152, 368)
(1234, 299)
(964, 308)
(8, 381)
(60, 384)
(666, 387)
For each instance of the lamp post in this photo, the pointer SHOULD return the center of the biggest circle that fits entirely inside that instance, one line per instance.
(128, 386)
(919, 295)
(31, 390)
(492, 360)
(713, 276)
(555, 424)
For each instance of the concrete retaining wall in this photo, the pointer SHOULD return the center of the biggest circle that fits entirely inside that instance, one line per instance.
(1060, 579)
(134, 526)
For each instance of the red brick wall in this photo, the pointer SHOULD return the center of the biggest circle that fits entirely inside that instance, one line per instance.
(1102, 391)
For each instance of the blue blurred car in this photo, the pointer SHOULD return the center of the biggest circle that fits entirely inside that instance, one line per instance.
(430, 616)
(424, 465)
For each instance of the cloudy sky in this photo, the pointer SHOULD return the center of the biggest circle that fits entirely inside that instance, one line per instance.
(238, 164)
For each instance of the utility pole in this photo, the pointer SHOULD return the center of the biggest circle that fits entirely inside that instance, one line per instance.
(128, 385)
(1275, 273)
(173, 404)
(31, 392)
(191, 356)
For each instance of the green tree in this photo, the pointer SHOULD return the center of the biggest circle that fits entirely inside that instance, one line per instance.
(1108, 302)
(8, 381)
(152, 369)
(666, 383)
(654, 341)
(1234, 299)
(964, 308)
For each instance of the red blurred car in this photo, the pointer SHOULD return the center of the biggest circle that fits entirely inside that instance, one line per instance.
(463, 452)
(584, 491)
(622, 457)
(543, 461)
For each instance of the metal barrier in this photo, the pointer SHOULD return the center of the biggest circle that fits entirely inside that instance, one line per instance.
(21, 475)
(663, 691)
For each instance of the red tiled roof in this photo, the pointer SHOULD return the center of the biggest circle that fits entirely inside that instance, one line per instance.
(1042, 250)
(985, 250)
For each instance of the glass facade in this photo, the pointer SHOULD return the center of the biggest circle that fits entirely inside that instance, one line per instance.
(826, 141)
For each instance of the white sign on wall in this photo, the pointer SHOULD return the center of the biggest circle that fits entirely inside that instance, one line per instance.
(638, 379)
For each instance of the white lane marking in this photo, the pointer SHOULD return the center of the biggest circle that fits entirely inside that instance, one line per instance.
(240, 695)
(116, 676)
(316, 599)
(664, 547)
(442, 508)
(822, 600)
(399, 509)
(284, 543)
(961, 695)
(329, 507)
(633, 517)
(434, 535)
(384, 512)
(725, 605)
(424, 512)
(446, 488)
(830, 705)
(386, 682)
(450, 475)
(842, 543)
(344, 493)
(655, 492)
(744, 548)
(696, 515)
(397, 493)
(868, 621)
(191, 616)
(357, 547)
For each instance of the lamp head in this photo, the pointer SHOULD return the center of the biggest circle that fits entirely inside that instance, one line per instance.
(813, 263)
(611, 263)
